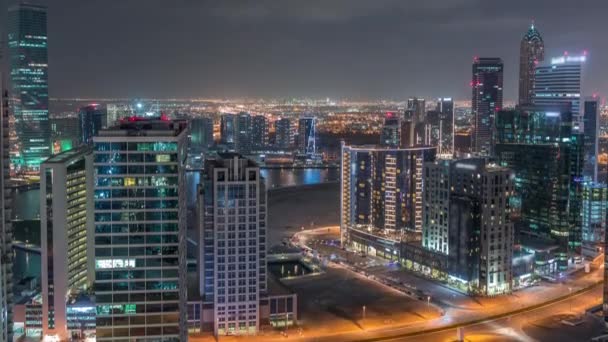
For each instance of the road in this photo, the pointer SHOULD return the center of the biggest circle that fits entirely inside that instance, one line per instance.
(513, 319)
(508, 315)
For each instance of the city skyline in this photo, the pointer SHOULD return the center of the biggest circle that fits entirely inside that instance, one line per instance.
(306, 169)
(358, 50)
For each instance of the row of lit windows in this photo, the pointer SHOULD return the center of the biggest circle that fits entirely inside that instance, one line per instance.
(131, 193)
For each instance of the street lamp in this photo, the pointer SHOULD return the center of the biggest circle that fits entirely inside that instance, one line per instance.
(363, 311)
(428, 301)
(570, 301)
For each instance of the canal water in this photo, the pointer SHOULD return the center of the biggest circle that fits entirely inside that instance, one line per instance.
(26, 209)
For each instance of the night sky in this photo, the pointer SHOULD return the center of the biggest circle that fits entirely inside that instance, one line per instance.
(357, 49)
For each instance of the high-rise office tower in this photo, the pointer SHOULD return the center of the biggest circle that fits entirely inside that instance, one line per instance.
(65, 133)
(117, 111)
(66, 234)
(242, 137)
(408, 134)
(6, 226)
(531, 53)
(228, 129)
(381, 189)
(591, 125)
(467, 216)
(391, 131)
(259, 132)
(284, 133)
(416, 109)
(27, 41)
(559, 81)
(445, 108)
(486, 101)
(307, 135)
(594, 213)
(232, 199)
(539, 144)
(140, 231)
(432, 133)
(415, 112)
(201, 134)
(92, 118)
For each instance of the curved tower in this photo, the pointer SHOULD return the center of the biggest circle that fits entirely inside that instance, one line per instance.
(531, 52)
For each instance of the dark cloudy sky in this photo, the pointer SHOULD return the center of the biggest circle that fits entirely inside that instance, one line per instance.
(362, 49)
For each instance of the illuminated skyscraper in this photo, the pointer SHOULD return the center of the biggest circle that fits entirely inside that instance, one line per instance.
(391, 131)
(201, 134)
(458, 222)
(594, 213)
(65, 133)
(382, 189)
(6, 226)
(92, 118)
(445, 108)
(531, 53)
(228, 129)
(539, 144)
(27, 42)
(307, 136)
(284, 133)
(232, 206)
(67, 235)
(591, 126)
(486, 101)
(140, 231)
(416, 109)
(415, 113)
(559, 81)
(259, 132)
(242, 137)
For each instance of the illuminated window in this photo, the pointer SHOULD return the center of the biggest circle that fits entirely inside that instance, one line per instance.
(163, 158)
(129, 181)
(114, 263)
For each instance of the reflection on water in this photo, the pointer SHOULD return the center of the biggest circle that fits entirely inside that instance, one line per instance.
(26, 265)
(26, 204)
(27, 207)
(286, 269)
(290, 177)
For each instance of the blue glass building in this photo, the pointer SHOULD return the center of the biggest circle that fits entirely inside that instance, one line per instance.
(27, 43)
(486, 100)
(540, 145)
(140, 231)
(91, 118)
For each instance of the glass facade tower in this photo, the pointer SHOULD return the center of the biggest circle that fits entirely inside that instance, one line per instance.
(259, 132)
(486, 101)
(559, 81)
(284, 133)
(140, 231)
(538, 143)
(591, 126)
(6, 226)
(92, 118)
(391, 131)
(27, 43)
(594, 212)
(201, 134)
(445, 109)
(307, 136)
